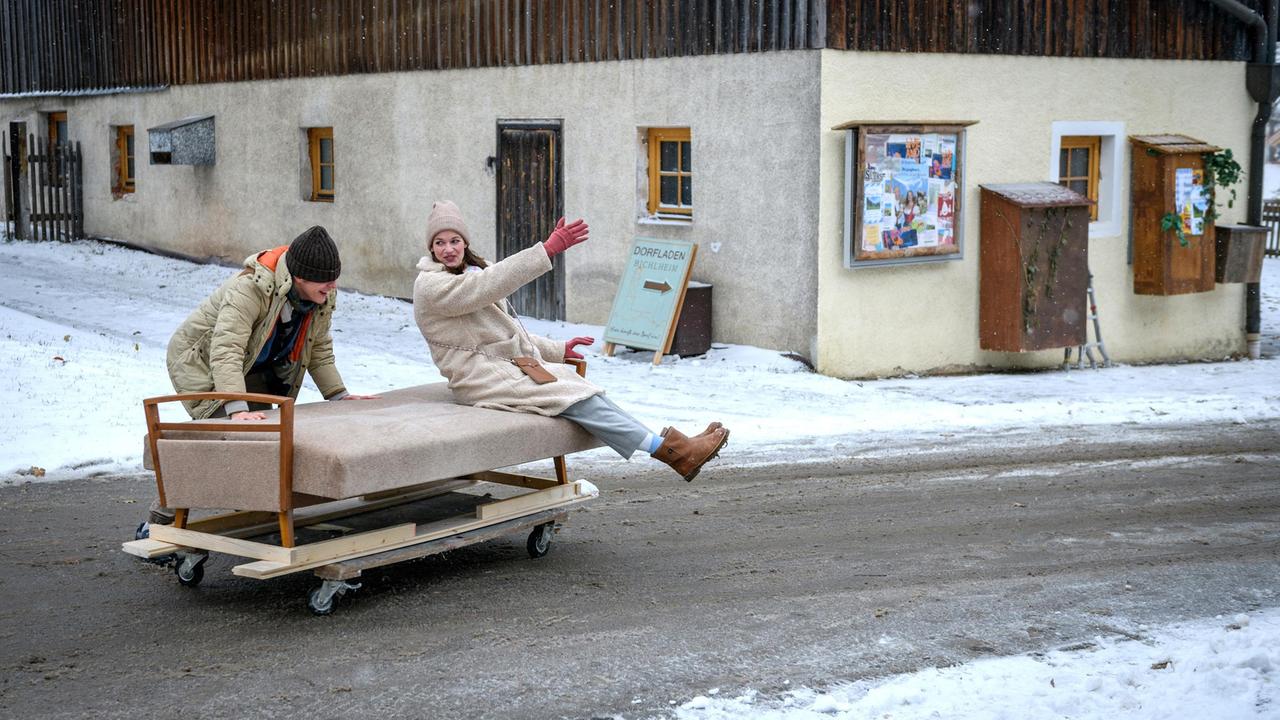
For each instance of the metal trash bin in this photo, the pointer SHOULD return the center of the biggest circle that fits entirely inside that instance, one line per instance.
(693, 330)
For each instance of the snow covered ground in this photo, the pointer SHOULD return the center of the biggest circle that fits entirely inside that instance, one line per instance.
(1212, 669)
(83, 329)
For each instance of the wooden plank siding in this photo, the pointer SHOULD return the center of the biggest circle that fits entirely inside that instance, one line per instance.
(1148, 29)
(91, 45)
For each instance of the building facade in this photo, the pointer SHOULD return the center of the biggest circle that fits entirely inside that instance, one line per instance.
(711, 121)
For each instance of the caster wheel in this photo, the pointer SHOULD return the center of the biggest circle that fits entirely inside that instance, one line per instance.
(320, 603)
(539, 540)
(189, 576)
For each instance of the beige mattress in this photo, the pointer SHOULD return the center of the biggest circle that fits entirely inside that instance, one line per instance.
(357, 447)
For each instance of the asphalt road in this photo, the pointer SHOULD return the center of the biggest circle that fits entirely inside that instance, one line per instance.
(775, 576)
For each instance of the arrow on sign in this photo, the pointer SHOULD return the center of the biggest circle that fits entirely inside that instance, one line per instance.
(661, 287)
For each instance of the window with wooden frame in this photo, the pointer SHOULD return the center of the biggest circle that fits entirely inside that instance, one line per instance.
(124, 159)
(58, 127)
(58, 136)
(1079, 166)
(671, 173)
(320, 143)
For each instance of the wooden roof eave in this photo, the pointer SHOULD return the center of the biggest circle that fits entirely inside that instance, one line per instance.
(1038, 194)
(914, 125)
(1173, 144)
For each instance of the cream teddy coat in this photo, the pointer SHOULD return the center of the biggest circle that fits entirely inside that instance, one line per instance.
(472, 338)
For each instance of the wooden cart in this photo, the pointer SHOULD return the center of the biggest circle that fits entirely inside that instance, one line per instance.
(311, 467)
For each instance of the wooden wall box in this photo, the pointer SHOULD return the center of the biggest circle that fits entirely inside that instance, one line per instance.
(1035, 267)
(1240, 249)
(1161, 265)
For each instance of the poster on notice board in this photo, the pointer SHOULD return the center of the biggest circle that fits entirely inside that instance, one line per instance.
(904, 194)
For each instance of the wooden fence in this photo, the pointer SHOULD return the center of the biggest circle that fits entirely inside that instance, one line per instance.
(62, 45)
(1271, 219)
(56, 179)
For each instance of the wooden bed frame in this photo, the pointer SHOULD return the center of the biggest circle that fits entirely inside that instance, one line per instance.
(246, 534)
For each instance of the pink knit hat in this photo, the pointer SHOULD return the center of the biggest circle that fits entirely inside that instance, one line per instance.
(446, 216)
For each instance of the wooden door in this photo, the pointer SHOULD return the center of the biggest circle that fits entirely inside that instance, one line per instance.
(530, 200)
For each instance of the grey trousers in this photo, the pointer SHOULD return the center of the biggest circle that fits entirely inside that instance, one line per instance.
(609, 423)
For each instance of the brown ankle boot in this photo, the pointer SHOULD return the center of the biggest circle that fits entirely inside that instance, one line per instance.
(714, 426)
(687, 455)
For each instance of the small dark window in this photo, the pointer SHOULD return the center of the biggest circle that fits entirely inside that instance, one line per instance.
(124, 159)
(320, 142)
(58, 128)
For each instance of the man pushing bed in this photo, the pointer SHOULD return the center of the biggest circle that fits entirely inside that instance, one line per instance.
(259, 332)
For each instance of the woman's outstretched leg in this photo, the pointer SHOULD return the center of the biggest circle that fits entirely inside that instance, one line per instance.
(617, 428)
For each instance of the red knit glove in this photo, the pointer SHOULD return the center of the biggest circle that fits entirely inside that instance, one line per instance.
(569, 346)
(565, 237)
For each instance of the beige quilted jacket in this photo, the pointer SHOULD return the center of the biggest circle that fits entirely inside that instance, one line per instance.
(216, 345)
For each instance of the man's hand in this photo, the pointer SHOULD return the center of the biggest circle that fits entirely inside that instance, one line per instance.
(361, 397)
(249, 415)
(570, 353)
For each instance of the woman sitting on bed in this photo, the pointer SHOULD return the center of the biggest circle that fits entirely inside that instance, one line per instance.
(460, 304)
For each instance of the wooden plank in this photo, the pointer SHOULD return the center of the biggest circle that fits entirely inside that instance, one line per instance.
(77, 195)
(379, 539)
(229, 523)
(348, 569)
(149, 548)
(228, 426)
(501, 478)
(265, 569)
(415, 492)
(65, 192)
(527, 502)
(35, 174)
(42, 181)
(60, 194)
(243, 524)
(220, 543)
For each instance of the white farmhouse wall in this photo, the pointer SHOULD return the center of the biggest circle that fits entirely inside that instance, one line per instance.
(403, 140)
(924, 317)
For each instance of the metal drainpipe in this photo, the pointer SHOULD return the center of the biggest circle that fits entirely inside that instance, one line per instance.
(1264, 86)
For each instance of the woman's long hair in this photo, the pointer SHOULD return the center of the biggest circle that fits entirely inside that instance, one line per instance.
(468, 258)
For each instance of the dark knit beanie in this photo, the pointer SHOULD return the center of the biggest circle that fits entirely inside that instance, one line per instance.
(313, 256)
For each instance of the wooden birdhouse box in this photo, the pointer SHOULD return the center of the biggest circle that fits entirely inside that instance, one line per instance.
(1240, 251)
(1035, 267)
(1169, 181)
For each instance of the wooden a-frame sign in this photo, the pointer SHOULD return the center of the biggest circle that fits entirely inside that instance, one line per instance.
(650, 295)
